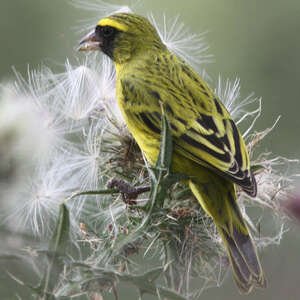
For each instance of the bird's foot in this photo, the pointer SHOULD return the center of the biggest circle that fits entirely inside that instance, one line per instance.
(129, 192)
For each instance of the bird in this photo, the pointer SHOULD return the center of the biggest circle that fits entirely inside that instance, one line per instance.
(207, 145)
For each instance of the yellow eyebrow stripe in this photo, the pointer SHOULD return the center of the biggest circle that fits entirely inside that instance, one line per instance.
(113, 23)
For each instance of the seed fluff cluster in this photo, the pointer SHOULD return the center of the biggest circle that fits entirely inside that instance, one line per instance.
(63, 134)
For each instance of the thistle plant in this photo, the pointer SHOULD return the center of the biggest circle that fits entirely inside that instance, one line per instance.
(78, 182)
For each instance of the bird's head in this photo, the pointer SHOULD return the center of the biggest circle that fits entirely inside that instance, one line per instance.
(122, 36)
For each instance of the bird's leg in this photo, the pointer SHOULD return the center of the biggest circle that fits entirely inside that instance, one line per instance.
(129, 192)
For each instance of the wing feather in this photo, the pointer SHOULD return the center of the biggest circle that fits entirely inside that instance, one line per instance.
(202, 129)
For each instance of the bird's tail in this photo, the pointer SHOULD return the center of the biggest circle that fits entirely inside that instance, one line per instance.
(243, 258)
(222, 207)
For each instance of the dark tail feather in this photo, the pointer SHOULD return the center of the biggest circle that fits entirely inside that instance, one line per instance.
(243, 259)
(243, 284)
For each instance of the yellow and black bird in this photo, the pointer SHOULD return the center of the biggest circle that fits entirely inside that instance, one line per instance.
(208, 147)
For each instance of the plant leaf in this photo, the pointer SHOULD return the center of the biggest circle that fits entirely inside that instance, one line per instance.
(256, 168)
(166, 147)
(57, 249)
(99, 192)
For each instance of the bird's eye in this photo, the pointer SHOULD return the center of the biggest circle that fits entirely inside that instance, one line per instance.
(107, 31)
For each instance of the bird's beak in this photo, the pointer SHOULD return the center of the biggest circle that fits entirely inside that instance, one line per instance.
(90, 42)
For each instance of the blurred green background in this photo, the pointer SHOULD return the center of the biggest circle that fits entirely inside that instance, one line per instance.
(257, 41)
